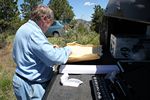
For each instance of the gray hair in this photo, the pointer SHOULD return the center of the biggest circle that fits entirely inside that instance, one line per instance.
(40, 11)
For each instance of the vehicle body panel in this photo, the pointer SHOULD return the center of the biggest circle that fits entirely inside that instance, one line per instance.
(57, 29)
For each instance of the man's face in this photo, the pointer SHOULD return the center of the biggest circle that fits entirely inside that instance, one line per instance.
(47, 22)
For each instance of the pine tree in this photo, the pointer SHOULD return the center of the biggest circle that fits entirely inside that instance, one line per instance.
(26, 7)
(97, 18)
(62, 10)
(8, 13)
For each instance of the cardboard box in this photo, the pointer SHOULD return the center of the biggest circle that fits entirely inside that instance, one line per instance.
(84, 52)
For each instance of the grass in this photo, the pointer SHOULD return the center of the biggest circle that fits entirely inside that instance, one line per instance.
(7, 68)
(6, 90)
(7, 65)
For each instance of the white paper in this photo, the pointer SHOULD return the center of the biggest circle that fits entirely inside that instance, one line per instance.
(65, 81)
(88, 69)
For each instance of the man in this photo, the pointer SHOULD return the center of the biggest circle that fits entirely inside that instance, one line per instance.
(35, 56)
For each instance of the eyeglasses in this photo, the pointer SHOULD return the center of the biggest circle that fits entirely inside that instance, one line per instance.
(50, 17)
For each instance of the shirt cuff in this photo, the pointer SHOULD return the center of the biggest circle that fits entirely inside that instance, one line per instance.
(68, 49)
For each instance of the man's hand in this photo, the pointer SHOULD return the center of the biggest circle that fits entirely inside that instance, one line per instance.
(55, 46)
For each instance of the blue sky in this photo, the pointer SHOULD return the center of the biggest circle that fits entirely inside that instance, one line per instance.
(83, 9)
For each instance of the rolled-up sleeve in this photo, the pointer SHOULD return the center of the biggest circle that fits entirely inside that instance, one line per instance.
(45, 51)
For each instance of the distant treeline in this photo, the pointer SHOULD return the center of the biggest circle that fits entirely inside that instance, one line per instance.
(12, 15)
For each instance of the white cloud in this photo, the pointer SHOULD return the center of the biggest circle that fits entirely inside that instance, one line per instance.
(89, 4)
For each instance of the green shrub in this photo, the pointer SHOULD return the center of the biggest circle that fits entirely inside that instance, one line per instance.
(80, 37)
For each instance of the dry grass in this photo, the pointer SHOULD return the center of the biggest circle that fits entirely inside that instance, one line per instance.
(6, 60)
(7, 68)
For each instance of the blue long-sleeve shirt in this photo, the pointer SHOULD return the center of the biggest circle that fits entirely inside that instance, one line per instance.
(34, 55)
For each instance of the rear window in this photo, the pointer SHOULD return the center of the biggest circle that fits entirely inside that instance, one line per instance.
(54, 23)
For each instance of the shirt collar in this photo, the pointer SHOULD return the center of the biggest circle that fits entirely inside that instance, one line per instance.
(33, 23)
